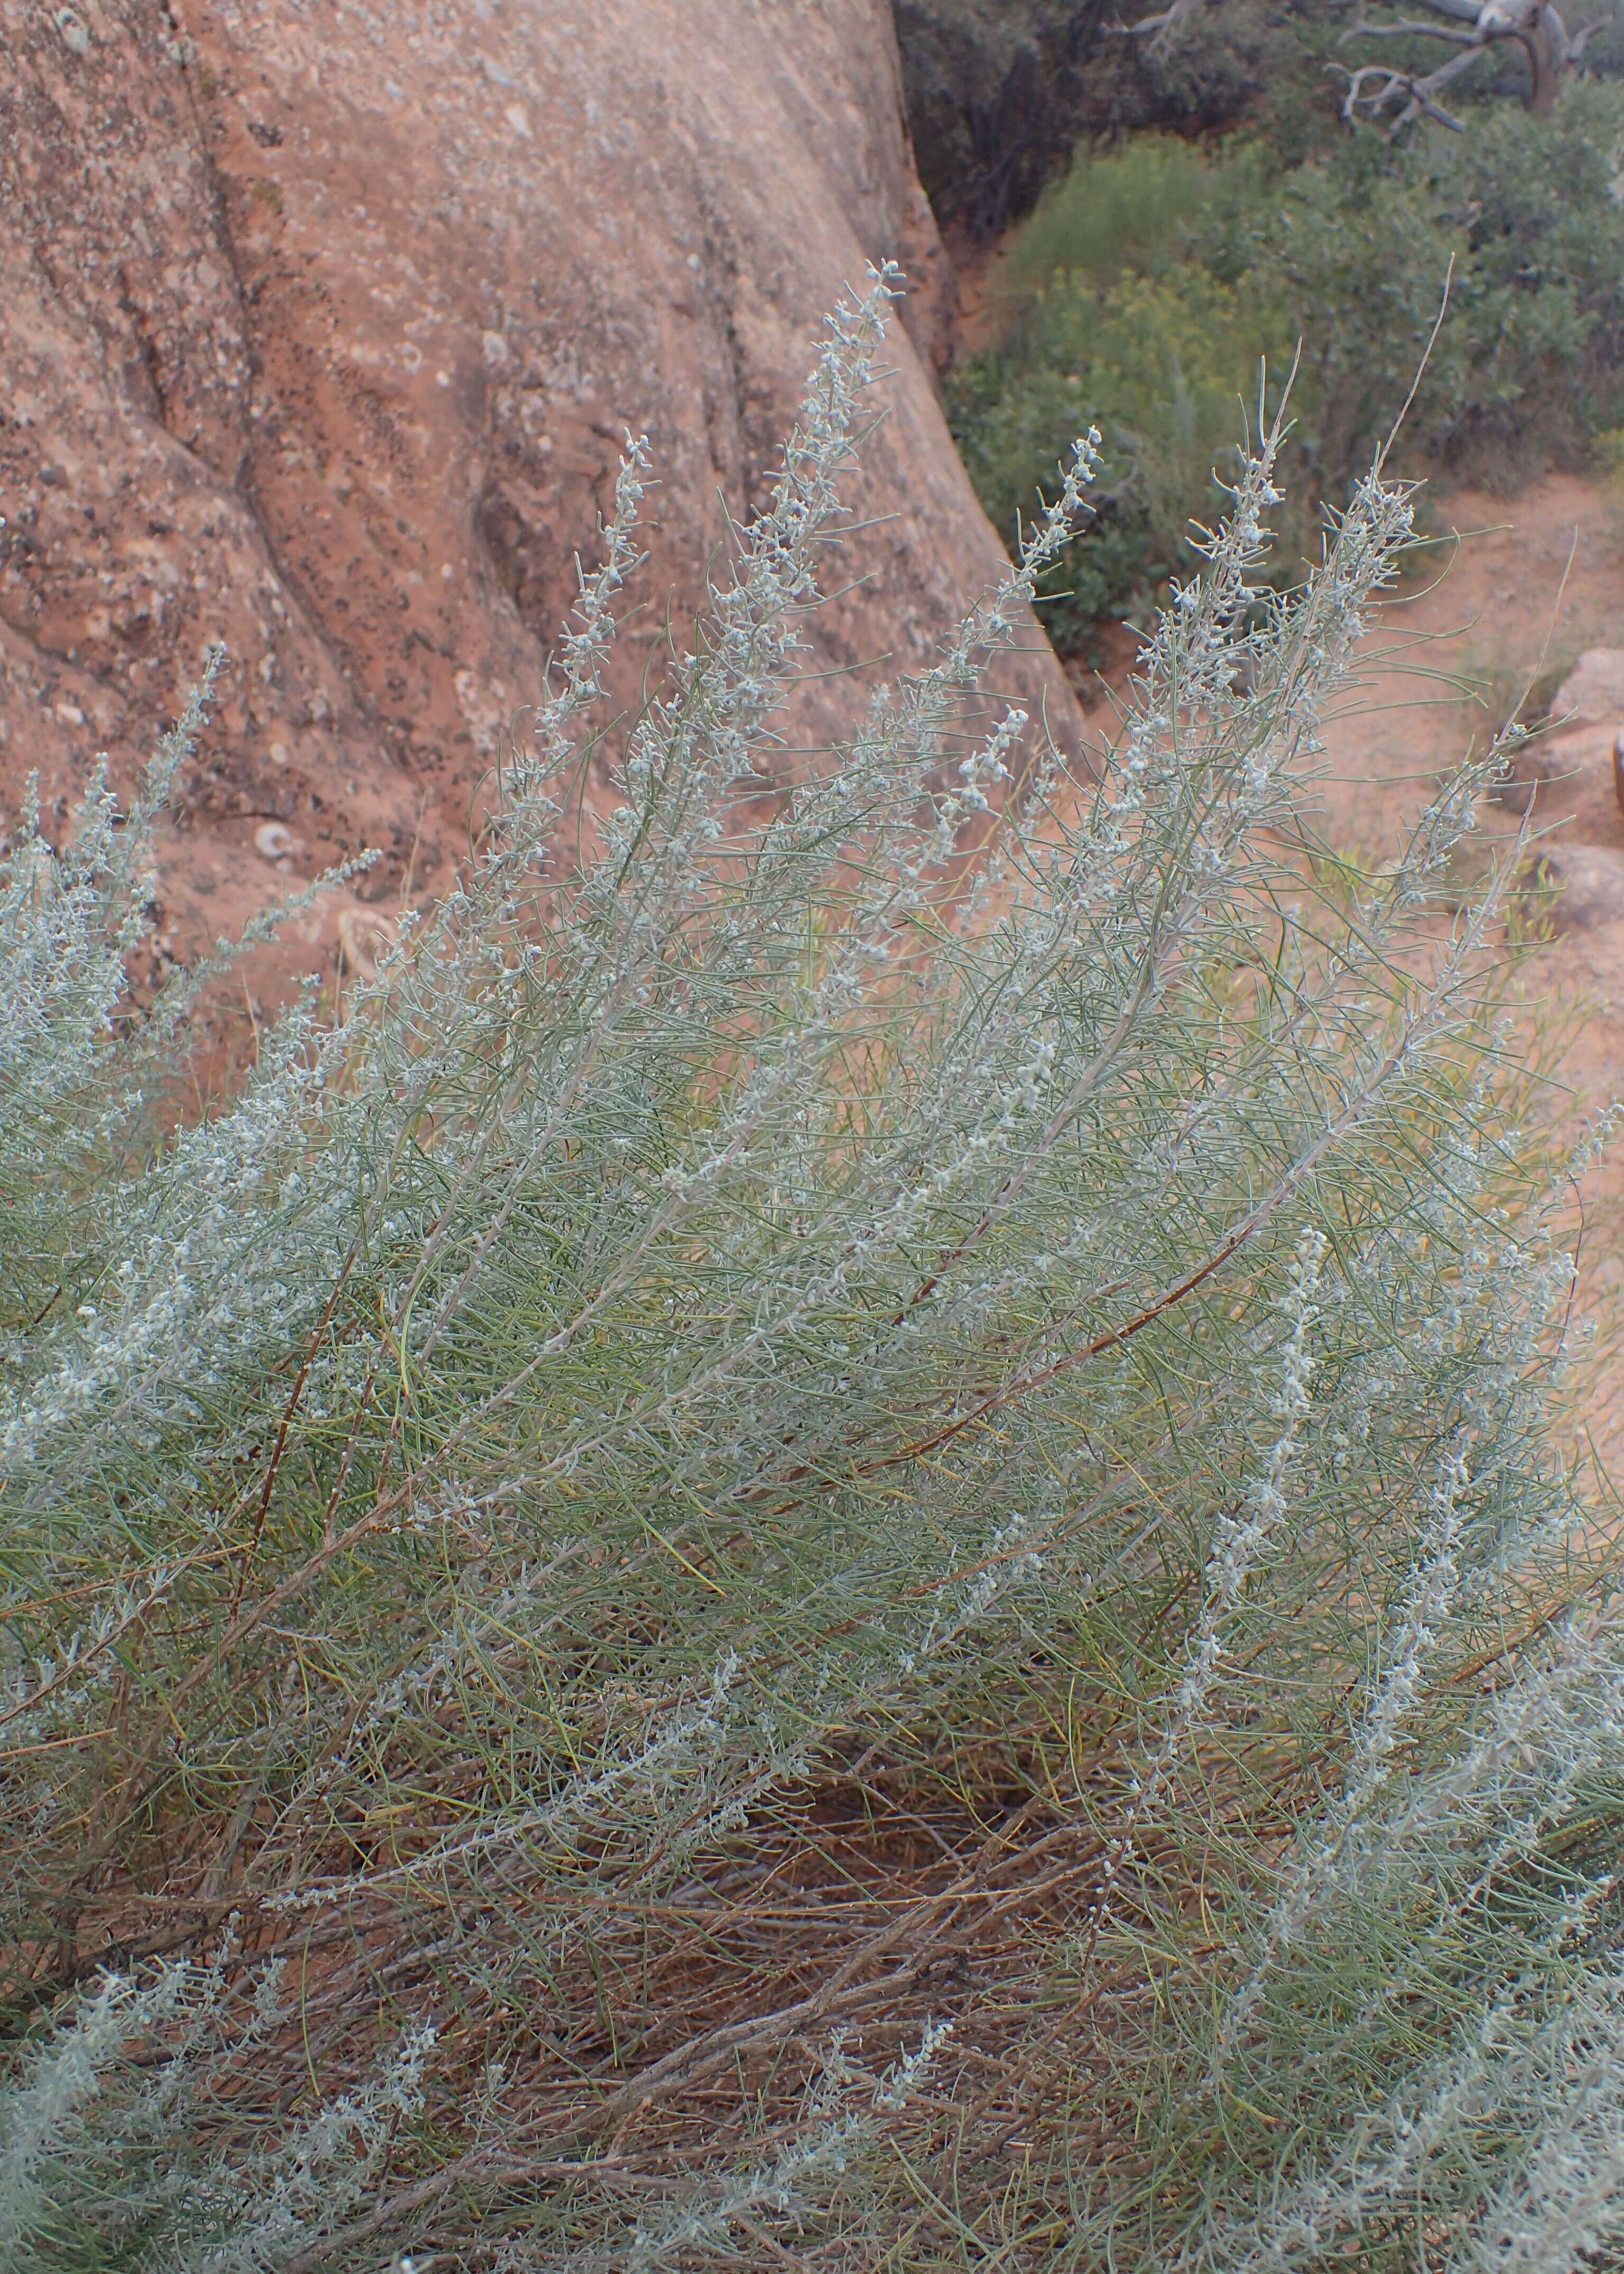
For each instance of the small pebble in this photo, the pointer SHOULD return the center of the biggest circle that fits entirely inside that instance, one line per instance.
(273, 841)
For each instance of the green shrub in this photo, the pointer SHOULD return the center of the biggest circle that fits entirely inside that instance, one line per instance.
(1128, 207)
(1168, 367)
(812, 1547)
(1358, 248)
(1235, 261)
(1541, 202)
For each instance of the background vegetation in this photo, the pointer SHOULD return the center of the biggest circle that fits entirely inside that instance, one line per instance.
(1157, 275)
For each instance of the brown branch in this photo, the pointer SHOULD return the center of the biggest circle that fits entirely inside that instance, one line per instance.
(688, 2064)
(274, 1466)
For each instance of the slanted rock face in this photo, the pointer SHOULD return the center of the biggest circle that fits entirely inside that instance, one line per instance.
(323, 324)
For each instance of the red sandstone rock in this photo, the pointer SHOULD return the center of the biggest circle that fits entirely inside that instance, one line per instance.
(1586, 883)
(1593, 692)
(321, 327)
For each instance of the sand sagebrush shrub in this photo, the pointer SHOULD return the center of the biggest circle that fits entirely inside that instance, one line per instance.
(837, 1541)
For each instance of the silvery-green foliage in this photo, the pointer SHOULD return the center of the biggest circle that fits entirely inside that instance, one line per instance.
(814, 1270)
(92, 2128)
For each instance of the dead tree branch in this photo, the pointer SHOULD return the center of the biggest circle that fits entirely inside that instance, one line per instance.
(1393, 98)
